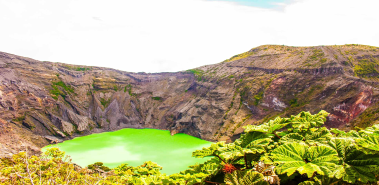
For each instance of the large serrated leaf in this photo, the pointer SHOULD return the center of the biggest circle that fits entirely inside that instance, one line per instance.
(305, 121)
(298, 157)
(370, 142)
(268, 127)
(209, 151)
(245, 178)
(354, 165)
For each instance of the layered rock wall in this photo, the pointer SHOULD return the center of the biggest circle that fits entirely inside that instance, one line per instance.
(43, 102)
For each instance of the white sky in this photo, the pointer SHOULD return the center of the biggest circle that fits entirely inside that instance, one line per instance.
(175, 35)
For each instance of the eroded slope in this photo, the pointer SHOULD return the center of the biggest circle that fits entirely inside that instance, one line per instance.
(42, 102)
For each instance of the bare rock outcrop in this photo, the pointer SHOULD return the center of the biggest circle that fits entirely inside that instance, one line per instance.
(43, 102)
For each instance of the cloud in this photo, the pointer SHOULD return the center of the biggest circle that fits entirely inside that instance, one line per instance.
(96, 18)
(174, 35)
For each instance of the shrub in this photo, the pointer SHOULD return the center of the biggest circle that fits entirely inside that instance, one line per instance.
(366, 68)
(295, 150)
(105, 102)
(258, 98)
(239, 56)
(156, 98)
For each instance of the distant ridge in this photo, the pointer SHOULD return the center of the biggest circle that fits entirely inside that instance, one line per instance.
(43, 102)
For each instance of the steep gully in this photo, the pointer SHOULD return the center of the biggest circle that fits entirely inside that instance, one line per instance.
(44, 102)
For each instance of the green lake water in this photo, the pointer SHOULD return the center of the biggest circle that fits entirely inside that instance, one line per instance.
(135, 146)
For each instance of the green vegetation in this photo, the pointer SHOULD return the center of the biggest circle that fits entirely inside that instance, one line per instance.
(243, 93)
(197, 72)
(369, 116)
(75, 68)
(238, 125)
(351, 52)
(314, 88)
(258, 98)
(239, 56)
(294, 103)
(323, 60)
(83, 69)
(128, 89)
(57, 89)
(295, 150)
(366, 68)
(115, 88)
(19, 119)
(350, 58)
(304, 96)
(302, 151)
(94, 86)
(231, 105)
(317, 54)
(156, 98)
(98, 166)
(105, 102)
(64, 86)
(55, 92)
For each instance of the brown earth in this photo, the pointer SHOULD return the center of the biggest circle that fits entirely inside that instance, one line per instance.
(43, 102)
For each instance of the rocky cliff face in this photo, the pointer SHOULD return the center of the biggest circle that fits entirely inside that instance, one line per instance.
(43, 102)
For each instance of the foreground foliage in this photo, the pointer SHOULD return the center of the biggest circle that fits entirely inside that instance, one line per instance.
(296, 150)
